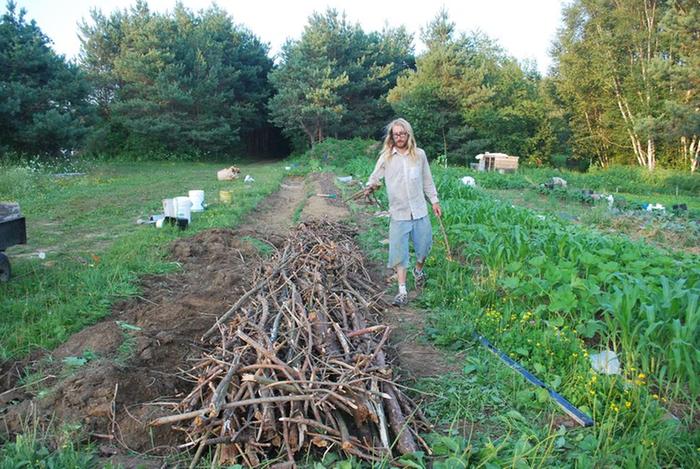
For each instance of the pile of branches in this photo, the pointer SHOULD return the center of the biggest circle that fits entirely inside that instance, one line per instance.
(299, 363)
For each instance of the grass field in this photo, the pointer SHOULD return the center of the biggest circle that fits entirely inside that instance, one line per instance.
(85, 249)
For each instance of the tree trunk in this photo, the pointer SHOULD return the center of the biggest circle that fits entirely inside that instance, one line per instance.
(309, 134)
(444, 143)
(646, 158)
(640, 54)
(601, 149)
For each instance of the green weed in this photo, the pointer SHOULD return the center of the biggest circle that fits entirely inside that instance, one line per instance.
(263, 248)
(47, 448)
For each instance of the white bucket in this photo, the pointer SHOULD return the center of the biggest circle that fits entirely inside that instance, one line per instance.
(169, 208)
(183, 208)
(197, 198)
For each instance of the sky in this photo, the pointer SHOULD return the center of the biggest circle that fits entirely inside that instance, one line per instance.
(525, 29)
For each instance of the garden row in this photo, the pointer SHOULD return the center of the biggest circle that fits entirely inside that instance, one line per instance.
(551, 294)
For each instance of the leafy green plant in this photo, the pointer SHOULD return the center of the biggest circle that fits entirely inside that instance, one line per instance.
(54, 447)
(549, 294)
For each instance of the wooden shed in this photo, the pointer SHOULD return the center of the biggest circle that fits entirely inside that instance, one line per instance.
(497, 162)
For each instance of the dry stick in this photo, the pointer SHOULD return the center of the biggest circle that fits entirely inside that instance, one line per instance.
(260, 349)
(342, 339)
(286, 439)
(366, 330)
(28, 384)
(200, 450)
(311, 423)
(379, 410)
(227, 438)
(228, 405)
(113, 410)
(408, 403)
(424, 444)
(326, 344)
(244, 298)
(362, 300)
(344, 314)
(378, 349)
(343, 427)
(352, 450)
(317, 266)
(284, 369)
(356, 195)
(276, 326)
(265, 313)
(217, 399)
(405, 442)
(286, 385)
(444, 236)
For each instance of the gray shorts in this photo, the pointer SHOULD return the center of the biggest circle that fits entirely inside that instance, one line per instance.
(420, 231)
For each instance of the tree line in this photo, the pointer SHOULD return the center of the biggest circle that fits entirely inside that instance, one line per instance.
(623, 88)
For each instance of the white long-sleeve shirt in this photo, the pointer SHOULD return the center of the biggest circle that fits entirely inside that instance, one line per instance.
(407, 184)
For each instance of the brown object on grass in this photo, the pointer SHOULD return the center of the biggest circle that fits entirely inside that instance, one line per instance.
(228, 174)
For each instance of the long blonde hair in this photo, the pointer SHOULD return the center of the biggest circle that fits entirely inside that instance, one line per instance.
(389, 142)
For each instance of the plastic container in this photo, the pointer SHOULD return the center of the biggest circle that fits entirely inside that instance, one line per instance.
(197, 199)
(169, 208)
(226, 197)
(605, 362)
(183, 208)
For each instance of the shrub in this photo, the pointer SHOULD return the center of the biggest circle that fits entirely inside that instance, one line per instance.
(559, 161)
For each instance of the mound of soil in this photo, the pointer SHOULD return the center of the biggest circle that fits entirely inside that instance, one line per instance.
(140, 350)
(142, 346)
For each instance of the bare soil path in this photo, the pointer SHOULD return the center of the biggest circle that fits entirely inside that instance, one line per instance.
(138, 353)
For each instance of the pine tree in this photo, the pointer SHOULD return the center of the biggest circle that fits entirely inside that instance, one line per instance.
(43, 98)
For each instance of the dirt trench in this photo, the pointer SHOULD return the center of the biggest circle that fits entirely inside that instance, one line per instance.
(141, 349)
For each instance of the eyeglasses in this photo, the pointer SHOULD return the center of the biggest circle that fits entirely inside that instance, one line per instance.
(399, 134)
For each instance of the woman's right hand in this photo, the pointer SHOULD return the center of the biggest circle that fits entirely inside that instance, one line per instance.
(369, 189)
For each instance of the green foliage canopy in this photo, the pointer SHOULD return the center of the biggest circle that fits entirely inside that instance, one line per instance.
(333, 81)
(178, 82)
(466, 96)
(43, 98)
(628, 72)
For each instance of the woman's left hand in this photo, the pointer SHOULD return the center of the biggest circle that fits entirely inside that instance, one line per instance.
(437, 210)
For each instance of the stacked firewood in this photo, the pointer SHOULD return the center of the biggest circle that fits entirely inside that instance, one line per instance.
(298, 363)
